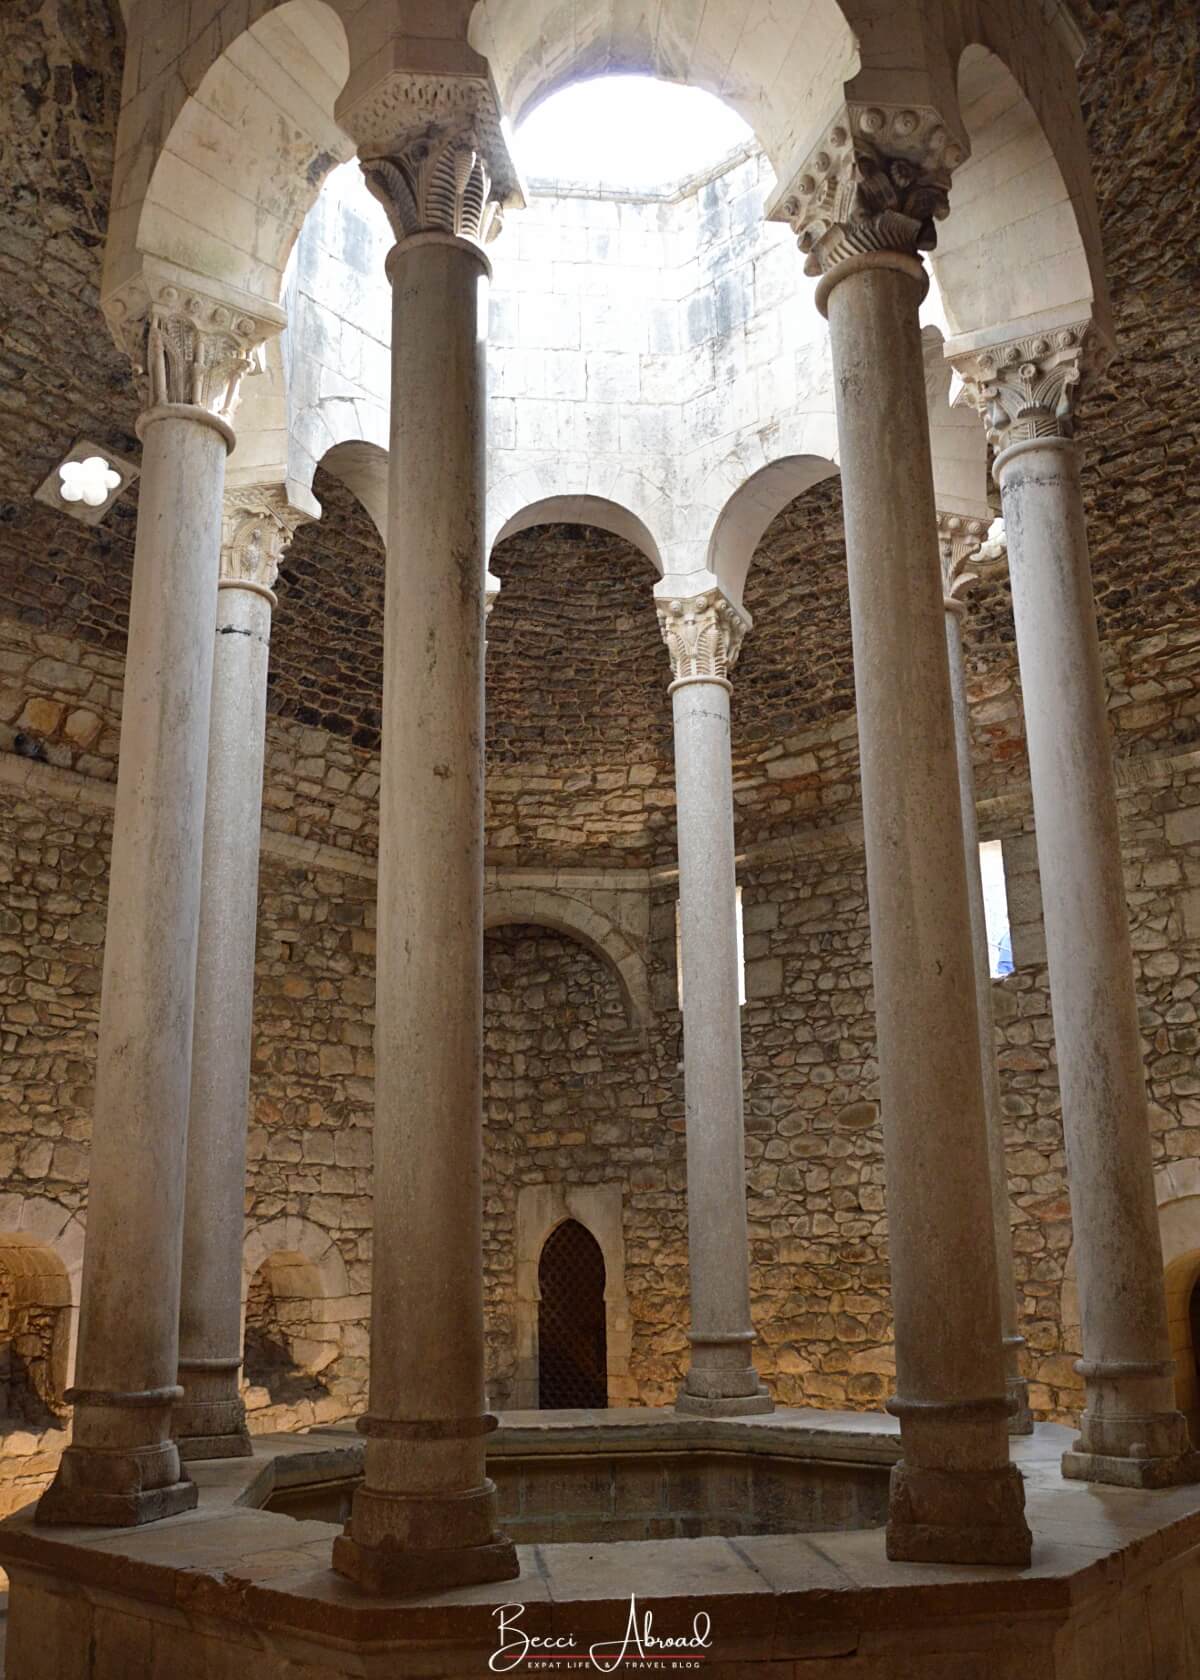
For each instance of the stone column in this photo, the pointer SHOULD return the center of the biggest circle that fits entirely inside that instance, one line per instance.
(1131, 1433)
(123, 1466)
(863, 209)
(959, 540)
(704, 636)
(425, 1517)
(210, 1420)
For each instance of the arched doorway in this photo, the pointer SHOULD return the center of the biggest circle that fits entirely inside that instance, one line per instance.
(572, 1343)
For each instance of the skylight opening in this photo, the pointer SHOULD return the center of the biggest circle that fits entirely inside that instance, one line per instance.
(627, 134)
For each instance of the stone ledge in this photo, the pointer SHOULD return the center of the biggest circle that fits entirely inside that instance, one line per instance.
(247, 1577)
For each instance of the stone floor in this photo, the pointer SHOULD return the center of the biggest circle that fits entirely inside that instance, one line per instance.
(231, 1590)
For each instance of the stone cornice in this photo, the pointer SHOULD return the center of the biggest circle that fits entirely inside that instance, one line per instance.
(190, 343)
(703, 634)
(878, 180)
(1026, 388)
(257, 524)
(960, 539)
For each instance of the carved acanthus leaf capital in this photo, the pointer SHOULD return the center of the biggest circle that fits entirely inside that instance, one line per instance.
(878, 181)
(437, 182)
(703, 634)
(960, 539)
(257, 525)
(186, 345)
(1027, 388)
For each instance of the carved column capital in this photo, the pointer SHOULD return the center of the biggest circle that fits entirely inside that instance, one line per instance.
(433, 151)
(960, 539)
(437, 182)
(1027, 388)
(257, 524)
(878, 180)
(188, 344)
(703, 634)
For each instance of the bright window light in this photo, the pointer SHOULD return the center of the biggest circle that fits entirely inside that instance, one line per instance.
(741, 952)
(995, 908)
(91, 482)
(631, 133)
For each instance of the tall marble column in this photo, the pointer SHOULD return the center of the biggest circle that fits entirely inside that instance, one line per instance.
(425, 1516)
(863, 209)
(123, 1466)
(210, 1420)
(704, 634)
(959, 540)
(1131, 1432)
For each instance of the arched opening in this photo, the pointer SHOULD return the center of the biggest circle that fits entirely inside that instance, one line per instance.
(576, 684)
(244, 153)
(35, 1332)
(572, 1341)
(752, 508)
(774, 71)
(1181, 1282)
(562, 913)
(597, 511)
(1013, 246)
(630, 132)
(286, 1347)
(326, 667)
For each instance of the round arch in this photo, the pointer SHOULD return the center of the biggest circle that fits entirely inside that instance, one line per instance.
(559, 911)
(597, 511)
(628, 504)
(249, 136)
(750, 509)
(777, 76)
(44, 1242)
(363, 468)
(311, 1245)
(1021, 241)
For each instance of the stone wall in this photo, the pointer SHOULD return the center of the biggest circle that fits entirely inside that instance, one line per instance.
(567, 1100)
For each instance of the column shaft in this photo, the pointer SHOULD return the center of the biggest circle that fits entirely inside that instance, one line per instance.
(210, 1421)
(425, 1517)
(123, 1467)
(1131, 1432)
(1020, 1419)
(954, 1496)
(721, 1379)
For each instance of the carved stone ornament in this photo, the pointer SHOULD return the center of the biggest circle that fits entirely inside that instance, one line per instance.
(878, 181)
(703, 635)
(187, 347)
(437, 183)
(257, 525)
(403, 105)
(960, 540)
(1027, 388)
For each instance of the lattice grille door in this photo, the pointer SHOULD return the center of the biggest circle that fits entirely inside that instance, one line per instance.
(572, 1351)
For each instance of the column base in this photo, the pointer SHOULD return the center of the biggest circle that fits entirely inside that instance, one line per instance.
(109, 1490)
(237, 1444)
(211, 1429)
(1118, 1471)
(1020, 1418)
(958, 1516)
(724, 1405)
(1126, 1444)
(402, 1574)
(401, 1544)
